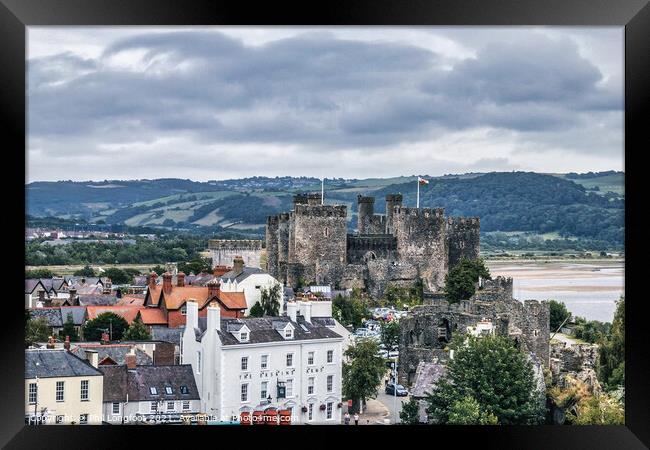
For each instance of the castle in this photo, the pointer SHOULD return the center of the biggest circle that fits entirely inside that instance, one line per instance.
(311, 244)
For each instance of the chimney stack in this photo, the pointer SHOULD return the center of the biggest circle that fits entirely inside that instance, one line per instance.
(214, 316)
(66, 344)
(151, 280)
(306, 310)
(218, 271)
(73, 296)
(105, 338)
(192, 318)
(214, 288)
(292, 309)
(92, 357)
(167, 282)
(50, 343)
(238, 265)
(180, 279)
(129, 358)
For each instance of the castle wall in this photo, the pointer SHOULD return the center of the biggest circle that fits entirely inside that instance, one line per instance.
(361, 248)
(421, 241)
(224, 251)
(392, 201)
(463, 238)
(271, 240)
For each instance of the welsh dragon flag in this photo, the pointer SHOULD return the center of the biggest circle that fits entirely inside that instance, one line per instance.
(422, 181)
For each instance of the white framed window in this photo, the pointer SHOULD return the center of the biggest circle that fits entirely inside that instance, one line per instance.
(244, 363)
(33, 393)
(184, 310)
(310, 385)
(83, 419)
(198, 361)
(184, 389)
(244, 392)
(264, 389)
(169, 390)
(153, 390)
(289, 359)
(170, 406)
(264, 363)
(310, 412)
(116, 408)
(60, 391)
(330, 383)
(288, 333)
(186, 405)
(154, 407)
(243, 336)
(330, 356)
(310, 358)
(329, 410)
(84, 390)
(289, 388)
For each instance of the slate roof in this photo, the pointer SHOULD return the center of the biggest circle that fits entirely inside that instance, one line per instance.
(51, 314)
(173, 335)
(55, 284)
(426, 377)
(117, 352)
(31, 283)
(97, 300)
(78, 313)
(241, 276)
(264, 329)
(50, 363)
(118, 381)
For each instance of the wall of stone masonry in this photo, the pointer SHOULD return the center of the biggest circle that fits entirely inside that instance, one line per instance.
(463, 238)
(363, 247)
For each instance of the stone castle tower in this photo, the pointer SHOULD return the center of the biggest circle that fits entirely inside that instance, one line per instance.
(311, 244)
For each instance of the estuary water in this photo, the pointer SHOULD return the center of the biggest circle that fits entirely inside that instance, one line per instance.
(588, 288)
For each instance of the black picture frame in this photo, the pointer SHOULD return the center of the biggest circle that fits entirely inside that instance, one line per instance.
(634, 15)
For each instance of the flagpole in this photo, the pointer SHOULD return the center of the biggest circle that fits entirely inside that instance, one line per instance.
(418, 195)
(322, 191)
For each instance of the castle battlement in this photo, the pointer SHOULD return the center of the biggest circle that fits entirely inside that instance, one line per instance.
(419, 212)
(235, 244)
(320, 210)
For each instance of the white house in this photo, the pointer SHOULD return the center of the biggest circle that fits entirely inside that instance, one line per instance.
(249, 367)
(250, 281)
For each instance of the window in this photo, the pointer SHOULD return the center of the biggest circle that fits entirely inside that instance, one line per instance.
(310, 386)
(184, 310)
(326, 232)
(184, 390)
(170, 406)
(198, 361)
(329, 410)
(83, 419)
(264, 390)
(244, 363)
(330, 382)
(186, 405)
(84, 390)
(289, 388)
(116, 408)
(154, 407)
(288, 333)
(153, 390)
(310, 358)
(289, 359)
(244, 392)
(330, 356)
(33, 393)
(59, 419)
(60, 386)
(243, 337)
(169, 390)
(264, 364)
(310, 415)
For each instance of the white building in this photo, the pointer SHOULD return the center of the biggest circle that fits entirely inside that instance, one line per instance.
(250, 281)
(245, 366)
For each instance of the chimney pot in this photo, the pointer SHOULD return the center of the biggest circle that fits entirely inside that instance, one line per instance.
(214, 288)
(105, 338)
(238, 265)
(180, 279)
(66, 344)
(167, 282)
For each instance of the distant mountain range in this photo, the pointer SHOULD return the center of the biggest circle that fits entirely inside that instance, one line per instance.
(587, 206)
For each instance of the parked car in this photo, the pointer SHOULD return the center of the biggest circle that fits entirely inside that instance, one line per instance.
(380, 313)
(367, 334)
(401, 390)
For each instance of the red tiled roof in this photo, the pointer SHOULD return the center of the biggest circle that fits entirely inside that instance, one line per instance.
(153, 316)
(128, 312)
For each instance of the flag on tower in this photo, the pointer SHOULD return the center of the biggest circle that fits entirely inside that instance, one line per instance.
(422, 181)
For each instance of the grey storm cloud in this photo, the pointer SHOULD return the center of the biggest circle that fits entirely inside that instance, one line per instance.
(311, 89)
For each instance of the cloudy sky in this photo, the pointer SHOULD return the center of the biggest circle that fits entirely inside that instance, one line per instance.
(228, 102)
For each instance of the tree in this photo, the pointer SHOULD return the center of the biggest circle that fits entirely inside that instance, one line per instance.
(599, 410)
(611, 366)
(159, 270)
(350, 311)
(256, 310)
(69, 329)
(390, 335)
(87, 271)
(362, 372)
(94, 328)
(137, 331)
(410, 413)
(496, 374)
(117, 276)
(467, 411)
(460, 282)
(270, 300)
(558, 313)
(36, 330)
(196, 266)
(39, 273)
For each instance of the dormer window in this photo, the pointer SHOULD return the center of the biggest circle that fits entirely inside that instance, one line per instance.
(288, 333)
(243, 336)
(184, 310)
(153, 390)
(169, 390)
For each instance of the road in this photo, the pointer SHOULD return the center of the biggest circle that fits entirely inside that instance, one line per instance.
(388, 401)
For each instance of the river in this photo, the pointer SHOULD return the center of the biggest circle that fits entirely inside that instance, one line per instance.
(588, 288)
